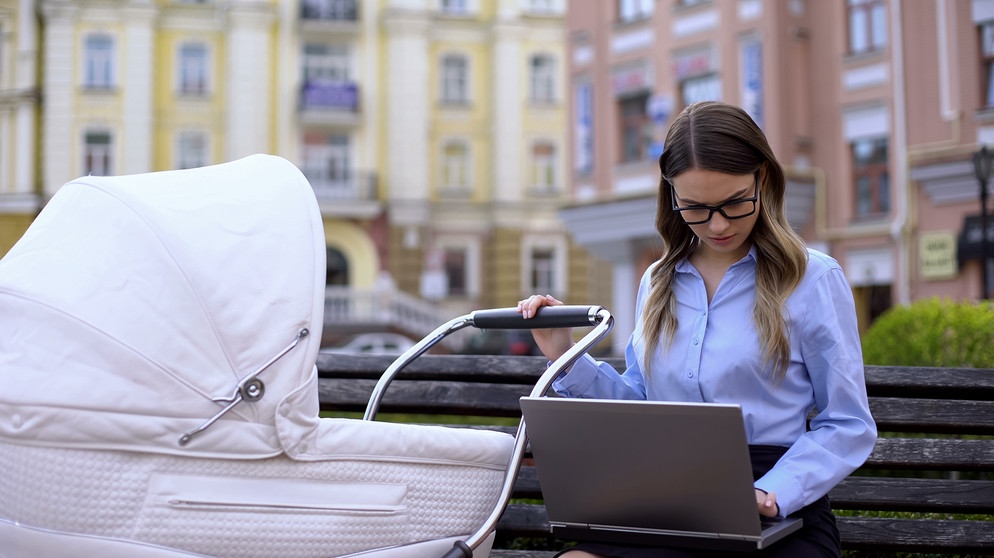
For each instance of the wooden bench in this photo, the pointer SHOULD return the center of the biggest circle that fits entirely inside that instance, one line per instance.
(934, 461)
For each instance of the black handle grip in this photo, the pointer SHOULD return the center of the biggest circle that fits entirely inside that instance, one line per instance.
(546, 317)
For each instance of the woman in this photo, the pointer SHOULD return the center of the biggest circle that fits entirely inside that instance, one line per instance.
(737, 310)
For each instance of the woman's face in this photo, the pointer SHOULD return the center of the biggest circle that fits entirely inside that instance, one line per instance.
(699, 192)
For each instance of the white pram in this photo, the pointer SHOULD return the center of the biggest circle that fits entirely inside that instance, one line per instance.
(158, 335)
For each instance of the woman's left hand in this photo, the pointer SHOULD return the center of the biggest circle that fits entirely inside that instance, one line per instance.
(767, 503)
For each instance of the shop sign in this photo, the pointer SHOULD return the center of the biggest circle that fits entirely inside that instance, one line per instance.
(937, 255)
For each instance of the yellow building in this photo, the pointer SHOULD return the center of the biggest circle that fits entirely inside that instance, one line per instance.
(19, 99)
(432, 131)
(472, 151)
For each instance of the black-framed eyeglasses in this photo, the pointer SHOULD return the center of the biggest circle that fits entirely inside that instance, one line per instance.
(732, 209)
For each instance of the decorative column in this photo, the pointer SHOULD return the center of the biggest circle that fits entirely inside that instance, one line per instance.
(249, 78)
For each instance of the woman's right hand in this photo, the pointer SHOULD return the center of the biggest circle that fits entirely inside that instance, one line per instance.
(552, 342)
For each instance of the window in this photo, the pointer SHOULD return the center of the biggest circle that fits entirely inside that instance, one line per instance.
(544, 6)
(193, 69)
(456, 7)
(455, 168)
(543, 78)
(634, 10)
(337, 10)
(327, 164)
(583, 136)
(871, 178)
(325, 62)
(634, 120)
(544, 167)
(191, 150)
(455, 79)
(456, 270)
(97, 154)
(543, 270)
(543, 264)
(700, 88)
(867, 25)
(987, 54)
(98, 62)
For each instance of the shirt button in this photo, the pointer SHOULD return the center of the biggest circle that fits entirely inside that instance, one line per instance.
(690, 373)
(696, 340)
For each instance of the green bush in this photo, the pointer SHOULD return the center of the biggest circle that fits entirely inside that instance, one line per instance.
(933, 332)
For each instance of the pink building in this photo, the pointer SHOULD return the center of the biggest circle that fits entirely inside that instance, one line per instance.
(874, 107)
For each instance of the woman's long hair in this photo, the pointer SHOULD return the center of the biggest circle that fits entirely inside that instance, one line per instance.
(720, 137)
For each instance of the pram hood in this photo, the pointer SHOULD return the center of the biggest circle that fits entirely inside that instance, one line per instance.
(133, 303)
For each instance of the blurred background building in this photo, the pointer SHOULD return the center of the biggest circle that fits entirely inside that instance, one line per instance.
(465, 153)
(875, 108)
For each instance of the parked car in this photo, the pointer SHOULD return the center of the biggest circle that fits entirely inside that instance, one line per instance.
(373, 343)
(502, 342)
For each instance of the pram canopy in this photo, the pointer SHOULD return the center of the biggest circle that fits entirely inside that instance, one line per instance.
(134, 306)
(131, 304)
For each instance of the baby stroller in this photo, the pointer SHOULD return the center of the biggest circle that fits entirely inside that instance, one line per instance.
(158, 335)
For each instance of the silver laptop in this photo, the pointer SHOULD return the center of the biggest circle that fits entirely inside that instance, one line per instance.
(648, 472)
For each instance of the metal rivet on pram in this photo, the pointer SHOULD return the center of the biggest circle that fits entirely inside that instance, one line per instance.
(250, 388)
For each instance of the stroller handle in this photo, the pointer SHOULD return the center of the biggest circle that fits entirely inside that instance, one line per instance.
(546, 317)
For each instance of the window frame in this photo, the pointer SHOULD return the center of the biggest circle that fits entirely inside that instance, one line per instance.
(200, 159)
(629, 11)
(559, 249)
(183, 69)
(99, 66)
(871, 180)
(634, 144)
(92, 153)
(869, 34)
(455, 169)
(986, 31)
(454, 71)
(328, 165)
(544, 165)
(542, 78)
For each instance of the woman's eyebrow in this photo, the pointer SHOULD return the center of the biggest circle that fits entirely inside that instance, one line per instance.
(740, 194)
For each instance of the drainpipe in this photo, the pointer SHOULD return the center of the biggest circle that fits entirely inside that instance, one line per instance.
(899, 226)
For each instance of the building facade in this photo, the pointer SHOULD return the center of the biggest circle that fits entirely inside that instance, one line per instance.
(432, 131)
(874, 107)
(19, 111)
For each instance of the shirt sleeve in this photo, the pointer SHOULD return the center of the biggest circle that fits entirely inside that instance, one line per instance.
(842, 433)
(593, 379)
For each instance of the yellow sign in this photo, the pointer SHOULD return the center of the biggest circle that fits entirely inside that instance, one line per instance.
(937, 255)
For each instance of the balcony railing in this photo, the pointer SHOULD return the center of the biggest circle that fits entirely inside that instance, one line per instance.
(383, 307)
(329, 10)
(329, 95)
(357, 187)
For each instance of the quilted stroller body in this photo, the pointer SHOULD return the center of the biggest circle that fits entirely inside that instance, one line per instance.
(158, 335)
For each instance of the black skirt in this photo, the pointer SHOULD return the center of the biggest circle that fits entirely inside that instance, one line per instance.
(818, 537)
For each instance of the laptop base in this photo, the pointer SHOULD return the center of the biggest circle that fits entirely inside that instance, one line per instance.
(678, 539)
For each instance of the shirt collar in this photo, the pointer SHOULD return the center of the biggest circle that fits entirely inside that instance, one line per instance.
(751, 258)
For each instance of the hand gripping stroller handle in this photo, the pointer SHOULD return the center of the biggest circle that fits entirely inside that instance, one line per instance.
(546, 317)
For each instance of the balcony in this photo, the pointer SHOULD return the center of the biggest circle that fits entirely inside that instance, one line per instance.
(349, 196)
(329, 103)
(383, 308)
(329, 16)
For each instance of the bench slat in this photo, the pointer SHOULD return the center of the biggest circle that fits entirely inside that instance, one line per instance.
(915, 495)
(938, 535)
(941, 454)
(947, 383)
(933, 415)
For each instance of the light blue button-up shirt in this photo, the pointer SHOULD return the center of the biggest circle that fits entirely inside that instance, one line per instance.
(716, 357)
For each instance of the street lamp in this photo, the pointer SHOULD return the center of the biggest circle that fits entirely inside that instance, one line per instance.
(982, 161)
